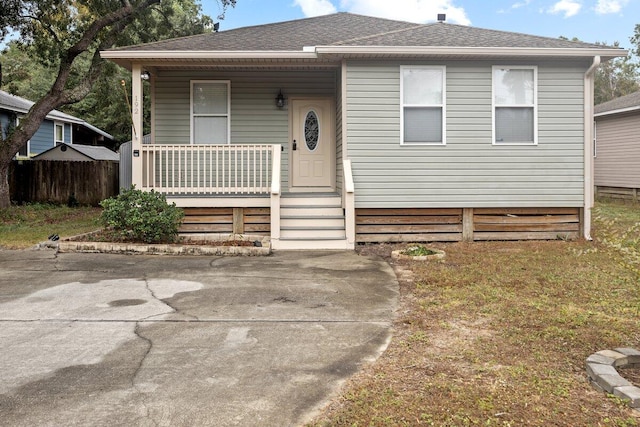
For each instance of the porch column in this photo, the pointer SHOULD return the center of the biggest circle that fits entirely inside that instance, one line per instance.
(137, 125)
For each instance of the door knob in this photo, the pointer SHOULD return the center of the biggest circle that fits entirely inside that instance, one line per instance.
(295, 145)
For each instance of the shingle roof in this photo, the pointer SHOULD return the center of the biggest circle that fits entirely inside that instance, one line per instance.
(622, 103)
(20, 105)
(347, 29)
(92, 152)
(96, 152)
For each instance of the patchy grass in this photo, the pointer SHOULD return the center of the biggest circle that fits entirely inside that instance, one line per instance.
(498, 333)
(24, 226)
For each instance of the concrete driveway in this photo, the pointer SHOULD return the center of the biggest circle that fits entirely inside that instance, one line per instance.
(105, 340)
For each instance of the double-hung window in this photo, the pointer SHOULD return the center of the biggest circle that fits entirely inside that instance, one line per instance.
(422, 106)
(210, 118)
(515, 106)
(58, 134)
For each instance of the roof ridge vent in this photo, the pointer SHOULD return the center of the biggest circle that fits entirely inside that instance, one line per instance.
(442, 17)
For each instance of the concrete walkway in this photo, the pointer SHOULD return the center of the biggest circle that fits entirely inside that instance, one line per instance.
(106, 340)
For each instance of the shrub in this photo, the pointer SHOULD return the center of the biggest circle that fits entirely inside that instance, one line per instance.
(142, 216)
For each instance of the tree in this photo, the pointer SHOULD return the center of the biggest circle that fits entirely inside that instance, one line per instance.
(615, 78)
(67, 36)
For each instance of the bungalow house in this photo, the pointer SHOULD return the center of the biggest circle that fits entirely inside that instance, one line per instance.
(617, 153)
(56, 129)
(330, 131)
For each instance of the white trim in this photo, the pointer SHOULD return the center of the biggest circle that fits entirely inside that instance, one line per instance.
(228, 114)
(589, 192)
(28, 144)
(55, 133)
(618, 111)
(474, 51)
(343, 100)
(442, 105)
(313, 52)
(535, 105)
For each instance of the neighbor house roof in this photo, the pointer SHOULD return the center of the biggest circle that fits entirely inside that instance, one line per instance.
(343, 34)
(90, 151)
(619, 105)
(20, 105)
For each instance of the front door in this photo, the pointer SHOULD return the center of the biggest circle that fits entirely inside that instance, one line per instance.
(313, 145)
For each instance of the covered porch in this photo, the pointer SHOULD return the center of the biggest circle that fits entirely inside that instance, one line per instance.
(237, 185)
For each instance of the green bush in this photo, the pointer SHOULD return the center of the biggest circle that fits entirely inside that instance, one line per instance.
(142, 216)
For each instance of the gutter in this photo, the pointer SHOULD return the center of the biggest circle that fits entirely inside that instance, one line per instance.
(588, 148)
(315, 52)
(618, 111)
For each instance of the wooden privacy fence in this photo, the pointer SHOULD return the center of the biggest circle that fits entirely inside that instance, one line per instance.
(63, 181)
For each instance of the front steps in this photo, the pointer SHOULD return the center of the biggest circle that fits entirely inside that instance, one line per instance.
(311, 221)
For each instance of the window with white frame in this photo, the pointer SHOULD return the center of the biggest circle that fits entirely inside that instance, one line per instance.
(58, 134)
(422, 106)
(25, 149)
(210, 118)
(515, 106)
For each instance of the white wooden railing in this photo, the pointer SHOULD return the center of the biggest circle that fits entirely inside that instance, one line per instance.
(349, 203)
(208, 169)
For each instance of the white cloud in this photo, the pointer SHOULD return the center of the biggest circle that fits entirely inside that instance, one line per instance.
(315, 7)
(610, 6)
(567, 7)
(408, 10)
(520, 4)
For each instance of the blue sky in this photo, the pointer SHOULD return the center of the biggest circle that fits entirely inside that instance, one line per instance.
(589, 20)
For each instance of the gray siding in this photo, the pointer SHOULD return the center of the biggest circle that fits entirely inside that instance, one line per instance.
(254, 117)
(617, 162)
(468, 171)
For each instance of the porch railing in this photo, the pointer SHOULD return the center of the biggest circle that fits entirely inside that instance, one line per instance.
(208, 169)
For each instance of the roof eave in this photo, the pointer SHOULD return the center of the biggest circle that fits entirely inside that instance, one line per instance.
(127, 57)
(617, 111)
(604, 53)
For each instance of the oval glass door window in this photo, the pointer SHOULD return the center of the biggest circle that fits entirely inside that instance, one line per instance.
(311, 130)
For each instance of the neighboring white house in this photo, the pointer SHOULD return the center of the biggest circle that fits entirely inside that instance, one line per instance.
(617, 137)
(330, 131)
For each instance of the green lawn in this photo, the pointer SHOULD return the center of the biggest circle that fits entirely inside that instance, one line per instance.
(24, 226)
(497, 334)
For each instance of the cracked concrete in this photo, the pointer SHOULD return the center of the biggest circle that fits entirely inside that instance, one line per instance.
(103, 340)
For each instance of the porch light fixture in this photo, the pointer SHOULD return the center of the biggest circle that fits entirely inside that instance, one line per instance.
(280, 100)
(145, 75)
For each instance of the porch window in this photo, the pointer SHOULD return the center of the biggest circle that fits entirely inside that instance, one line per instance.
(58, 134)
(422, 106)
(210, 118)
(515, 109)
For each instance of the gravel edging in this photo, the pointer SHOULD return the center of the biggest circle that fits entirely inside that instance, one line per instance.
(603, 374)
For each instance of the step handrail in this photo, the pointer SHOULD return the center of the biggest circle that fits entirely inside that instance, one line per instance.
(349, 203)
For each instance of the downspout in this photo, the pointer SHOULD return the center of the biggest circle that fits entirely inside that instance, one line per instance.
(588, 147)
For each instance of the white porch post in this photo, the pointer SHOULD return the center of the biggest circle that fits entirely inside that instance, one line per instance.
(137, 125)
